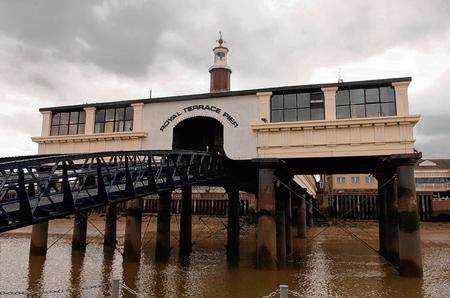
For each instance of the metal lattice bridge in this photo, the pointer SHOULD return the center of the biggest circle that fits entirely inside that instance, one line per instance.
(39, 188)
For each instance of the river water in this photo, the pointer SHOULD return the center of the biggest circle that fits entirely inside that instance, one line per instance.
(333, 264)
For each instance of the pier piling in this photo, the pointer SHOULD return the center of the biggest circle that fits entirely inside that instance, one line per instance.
(162, 249)
(133, 242)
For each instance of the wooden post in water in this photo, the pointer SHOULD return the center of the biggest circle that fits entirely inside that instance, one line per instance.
(280, 207)
(410, 251)
(39, 235)
(391, 224)
(382, 212)
(186, 221)
(162, 249)
(301, 220)
(288, 222)
(309, 213)
(266, 244)
(233, 224)
(79, 231)
(109, 239)
(133, 241)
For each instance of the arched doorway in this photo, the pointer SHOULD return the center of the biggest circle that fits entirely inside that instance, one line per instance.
(199, 133)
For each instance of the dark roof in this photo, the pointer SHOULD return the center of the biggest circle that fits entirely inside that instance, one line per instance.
(441, 163)
(367, 83)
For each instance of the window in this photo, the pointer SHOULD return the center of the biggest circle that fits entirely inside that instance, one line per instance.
(297, 107)
(369, 180)
(340, 180)
(354, 180)
(114, 120)
(68, 123)
(369, 102)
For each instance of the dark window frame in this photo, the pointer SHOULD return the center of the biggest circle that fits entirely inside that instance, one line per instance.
(298, 108)
(119, 124)
(367, 103)
(58, 128)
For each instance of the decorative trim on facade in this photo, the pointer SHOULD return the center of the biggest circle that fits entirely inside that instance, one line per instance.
(343, 137)
(90, 137)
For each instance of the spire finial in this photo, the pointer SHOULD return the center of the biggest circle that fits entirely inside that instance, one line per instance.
(220, 41)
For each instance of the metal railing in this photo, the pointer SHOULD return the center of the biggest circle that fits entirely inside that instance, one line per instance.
(48, 187)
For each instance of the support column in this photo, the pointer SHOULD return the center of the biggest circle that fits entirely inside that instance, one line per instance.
(110, 226)
(301, 213)
(233, 224)
(39, 235)
(186, 222)
(309, 213)
(288, 218)
(266, 244)
(133, 241)
(280, 206)
(79, 232)
(382, 213)
(410, 252)
(391, 225)
(162, 249)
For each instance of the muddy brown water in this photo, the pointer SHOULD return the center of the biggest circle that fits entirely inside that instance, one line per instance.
(334, 264)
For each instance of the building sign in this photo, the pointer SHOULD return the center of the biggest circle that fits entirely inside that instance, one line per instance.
(192, 108)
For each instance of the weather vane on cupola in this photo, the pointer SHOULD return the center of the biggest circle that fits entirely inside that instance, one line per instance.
(220, 41)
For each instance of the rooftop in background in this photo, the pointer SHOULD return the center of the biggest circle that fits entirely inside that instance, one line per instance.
(366, 83)
(443, 164)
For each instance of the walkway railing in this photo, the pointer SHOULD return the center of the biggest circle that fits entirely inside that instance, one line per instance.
(56, 186)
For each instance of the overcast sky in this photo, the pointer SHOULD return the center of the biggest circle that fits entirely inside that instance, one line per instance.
(69, 52)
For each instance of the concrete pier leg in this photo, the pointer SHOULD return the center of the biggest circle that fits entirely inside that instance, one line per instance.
(392, 221)
(110, 226)
(79, 232)
(301, 220)
(281, 225)
(288, 220)
(266, 242)
(133, 225)
(382, 213)
(162, 249)
(233, 224)
(39, 235)
(410, 251)
(309, 213)
(186, 222)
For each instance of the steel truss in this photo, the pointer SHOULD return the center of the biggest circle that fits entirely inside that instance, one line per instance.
(40, 188)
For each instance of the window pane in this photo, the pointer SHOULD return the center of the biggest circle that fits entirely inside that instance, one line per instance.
(343, 112)
(73, 129)
(290, 115)
(372, 95)
(317, 114)
(317, 98)
(80, 128)
(388, 109)
(54, 130)
(100, 116)
(128, 126)
(64, 118)
(99, 127)
(63, 129)
(342, 97)
(303, 100)
(387, 94)
(277, 116)
(373, 110)
(129, 113)
(109, 127)
(82, 117)
(304, 115)
(358, 111)
(357, 96)
(277, 102)
(55, 119)
(290, 101)
(73, 117)
(118, 126)
(109, 115)
(120, 113)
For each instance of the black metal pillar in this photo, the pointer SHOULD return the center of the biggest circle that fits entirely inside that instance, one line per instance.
(110, 226)
(186, 222)
(233, 224)
(280, 215)
(162, 249)
(79, 231)
(133, 226)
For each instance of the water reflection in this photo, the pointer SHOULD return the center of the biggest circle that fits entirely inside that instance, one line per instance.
(331, 265)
